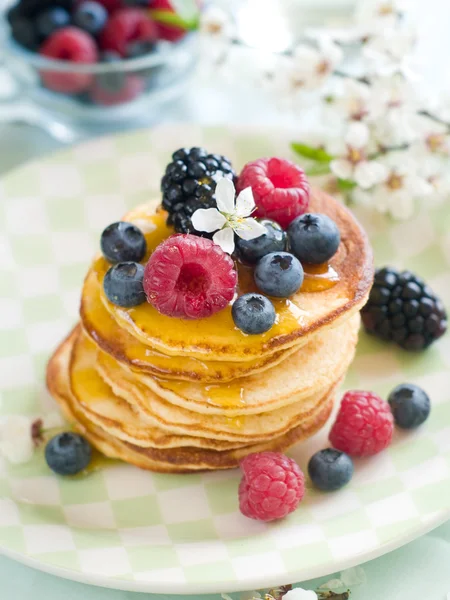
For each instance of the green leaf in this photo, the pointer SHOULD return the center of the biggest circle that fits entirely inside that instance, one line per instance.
(318, 169)
(306, 151)
(169, 18)
(345, 185)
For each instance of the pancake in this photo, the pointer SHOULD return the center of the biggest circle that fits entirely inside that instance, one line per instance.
(248, 428)
(175, 460)
(310, 369)
(102, 328)
(96, 400)
(216, 338)
(122, 419)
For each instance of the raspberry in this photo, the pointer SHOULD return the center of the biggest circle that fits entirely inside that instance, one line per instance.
(189, 277)
(133, 86)
(280, 188)
(126, 26)
(364, 425)
(74, 45)
(171, 33)
(272, 486)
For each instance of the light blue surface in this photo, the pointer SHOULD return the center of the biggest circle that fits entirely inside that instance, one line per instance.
(418, 571)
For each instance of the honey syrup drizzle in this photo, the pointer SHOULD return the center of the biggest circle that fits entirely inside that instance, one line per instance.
(145, 319)
(319, 278)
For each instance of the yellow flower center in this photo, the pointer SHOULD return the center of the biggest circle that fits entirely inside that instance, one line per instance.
(386, 9)
(394, 181)
(323, 67)
(355, 155)
(435, 141)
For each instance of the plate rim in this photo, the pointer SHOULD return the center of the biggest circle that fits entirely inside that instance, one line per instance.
(162, 587)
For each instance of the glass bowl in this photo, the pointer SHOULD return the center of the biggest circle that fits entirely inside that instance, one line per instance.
(69, 98)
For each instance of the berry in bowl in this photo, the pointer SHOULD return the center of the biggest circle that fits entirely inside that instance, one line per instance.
(99, 62)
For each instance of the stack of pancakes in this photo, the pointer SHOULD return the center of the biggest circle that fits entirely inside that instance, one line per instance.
(176, 395)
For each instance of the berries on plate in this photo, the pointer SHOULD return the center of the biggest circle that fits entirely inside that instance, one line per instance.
(410, 405)
(280, 188)
(123, 284)
(313, 238)
(189, 277)
(90, 16)
(189, 183)
(126, 26)
(271, 487)
(132, 87)
(123, 242)
(253, 313)
(403, 309)
(50, 20)
(330, 469)
(74, 45)
(274, 240)
(279, 274)
(364, 424)
(68, 453)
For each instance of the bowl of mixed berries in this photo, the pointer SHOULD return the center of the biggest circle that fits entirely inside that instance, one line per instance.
(100, 59)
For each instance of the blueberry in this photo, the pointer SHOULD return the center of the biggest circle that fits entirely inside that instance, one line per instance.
(330, 469)
(313, 238)
(123, 242)
(90, 16)
(279, 274)
(24, 33)
(139, 48)
(50, 20)
(68, 453)
(410, 405)
(253, 313)
(274, 240)
(123, 284)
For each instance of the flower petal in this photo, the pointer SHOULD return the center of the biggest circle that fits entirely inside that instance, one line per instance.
(16, 443)
(245, 203)
(225, 239)
(357, 135)
(342, 168)
(208, 219)
(250, 229)
(369, 173)
(300, 594)
(225, 194)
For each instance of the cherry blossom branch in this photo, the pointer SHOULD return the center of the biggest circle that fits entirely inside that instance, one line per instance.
(435, 118)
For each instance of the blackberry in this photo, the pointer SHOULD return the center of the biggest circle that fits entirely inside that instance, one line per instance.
(190, 183)
(403, 309)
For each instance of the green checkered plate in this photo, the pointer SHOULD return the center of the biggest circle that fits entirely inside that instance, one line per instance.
(126, 528)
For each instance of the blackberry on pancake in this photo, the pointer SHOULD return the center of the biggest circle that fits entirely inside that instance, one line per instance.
(189, 183)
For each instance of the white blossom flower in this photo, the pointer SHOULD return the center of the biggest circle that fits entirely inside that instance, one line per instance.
(229, 217)
(16, 441)
(393, 106)
(300, 594)
(312, 66)
(354, 101)
(434, 169)
(354, 163)
(215, 22)
(390, 52)
(397, 194)
(433, 137)
(378, 14)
